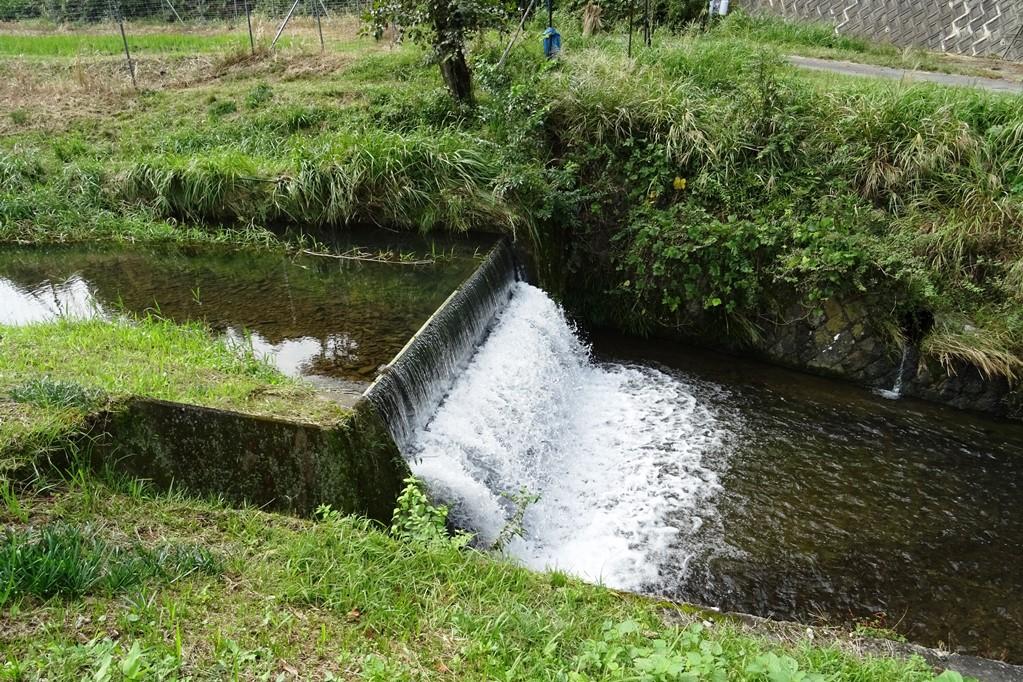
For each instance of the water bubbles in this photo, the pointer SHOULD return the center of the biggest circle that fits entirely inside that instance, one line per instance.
(615, 452)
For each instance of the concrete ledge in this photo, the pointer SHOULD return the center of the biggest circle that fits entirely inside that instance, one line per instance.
(281, 465)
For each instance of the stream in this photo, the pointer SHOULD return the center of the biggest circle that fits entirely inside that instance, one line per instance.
(731, 483)
(646, 466)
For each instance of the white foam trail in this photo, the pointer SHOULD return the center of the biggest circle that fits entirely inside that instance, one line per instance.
(617, 453)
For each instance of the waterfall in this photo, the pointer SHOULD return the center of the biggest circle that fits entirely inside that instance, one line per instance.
(408, 390)
(618, 454)
(895, 392)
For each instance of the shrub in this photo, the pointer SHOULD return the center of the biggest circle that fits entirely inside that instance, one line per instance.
(418, 521)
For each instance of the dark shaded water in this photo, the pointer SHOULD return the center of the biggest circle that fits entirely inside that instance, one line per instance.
(837, 505)
(333, 321)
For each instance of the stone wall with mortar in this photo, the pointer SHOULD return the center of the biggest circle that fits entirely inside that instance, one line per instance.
(353, 466)
(840, 339)
(992, 28)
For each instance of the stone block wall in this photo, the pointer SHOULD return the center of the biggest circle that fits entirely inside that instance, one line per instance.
(839, 339)
(992, 28)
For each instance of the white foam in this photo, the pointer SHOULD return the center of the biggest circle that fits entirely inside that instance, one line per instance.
(617, 453)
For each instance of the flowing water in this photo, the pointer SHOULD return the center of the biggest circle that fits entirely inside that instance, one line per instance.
(733, 484)
(410, 388)
(657, 469)
(334, 322)
(895, 392)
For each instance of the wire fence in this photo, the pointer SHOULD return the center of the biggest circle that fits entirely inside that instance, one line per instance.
(139, 30)
(184, 12)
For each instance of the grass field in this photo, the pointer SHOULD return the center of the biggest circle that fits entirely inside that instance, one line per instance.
(146, 39)
(85, 44)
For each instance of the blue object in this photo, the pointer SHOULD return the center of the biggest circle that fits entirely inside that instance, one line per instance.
(551, 43)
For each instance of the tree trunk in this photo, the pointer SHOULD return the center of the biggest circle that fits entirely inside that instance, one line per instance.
(450, 46)
(457, 77)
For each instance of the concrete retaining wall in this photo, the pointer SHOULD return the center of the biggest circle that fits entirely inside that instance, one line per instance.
(840, 339)
(353, 466)
(970, 27)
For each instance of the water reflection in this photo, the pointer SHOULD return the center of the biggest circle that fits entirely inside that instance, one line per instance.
(71, 298)
(334, 322)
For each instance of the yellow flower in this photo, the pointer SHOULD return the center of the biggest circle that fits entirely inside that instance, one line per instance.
(679, 183)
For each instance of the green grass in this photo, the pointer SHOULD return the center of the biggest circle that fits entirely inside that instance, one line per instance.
(340, 598)
(84, 44)
(59, 560)
(53, 374)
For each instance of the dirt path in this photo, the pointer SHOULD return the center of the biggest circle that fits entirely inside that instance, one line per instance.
(955, 80)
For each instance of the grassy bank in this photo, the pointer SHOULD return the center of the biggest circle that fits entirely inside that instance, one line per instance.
(703, 184)
(241, 594)
(53, 374)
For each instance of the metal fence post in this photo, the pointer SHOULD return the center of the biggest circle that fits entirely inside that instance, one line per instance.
(284, 24)
(248, 20)
(175, 11)
(124, 39)
(319, 27)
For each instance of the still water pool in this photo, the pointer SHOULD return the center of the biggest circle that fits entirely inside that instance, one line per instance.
(331, 321)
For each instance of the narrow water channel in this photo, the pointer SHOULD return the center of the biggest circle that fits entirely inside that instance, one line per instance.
(658, 469)
(734, 484)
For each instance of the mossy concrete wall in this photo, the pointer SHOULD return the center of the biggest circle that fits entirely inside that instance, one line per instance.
(353, 466)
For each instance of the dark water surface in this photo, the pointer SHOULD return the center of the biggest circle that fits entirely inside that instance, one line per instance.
(840, 506)
(332, 321)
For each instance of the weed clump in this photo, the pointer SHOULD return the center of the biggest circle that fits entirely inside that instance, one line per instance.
(47, 392)
(258, 96)
(67, 561)
(221, 108)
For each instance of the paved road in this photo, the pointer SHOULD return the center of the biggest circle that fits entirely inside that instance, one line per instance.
(854, 69)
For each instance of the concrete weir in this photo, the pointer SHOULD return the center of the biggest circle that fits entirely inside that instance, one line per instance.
(408, 390)
(355, 466)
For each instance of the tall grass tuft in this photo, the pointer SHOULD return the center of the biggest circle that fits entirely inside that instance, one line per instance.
(416, 181)
(61, 560)
(46, 392)
(18, 171)
(12, 506)
(211, 187)
(957, 344)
